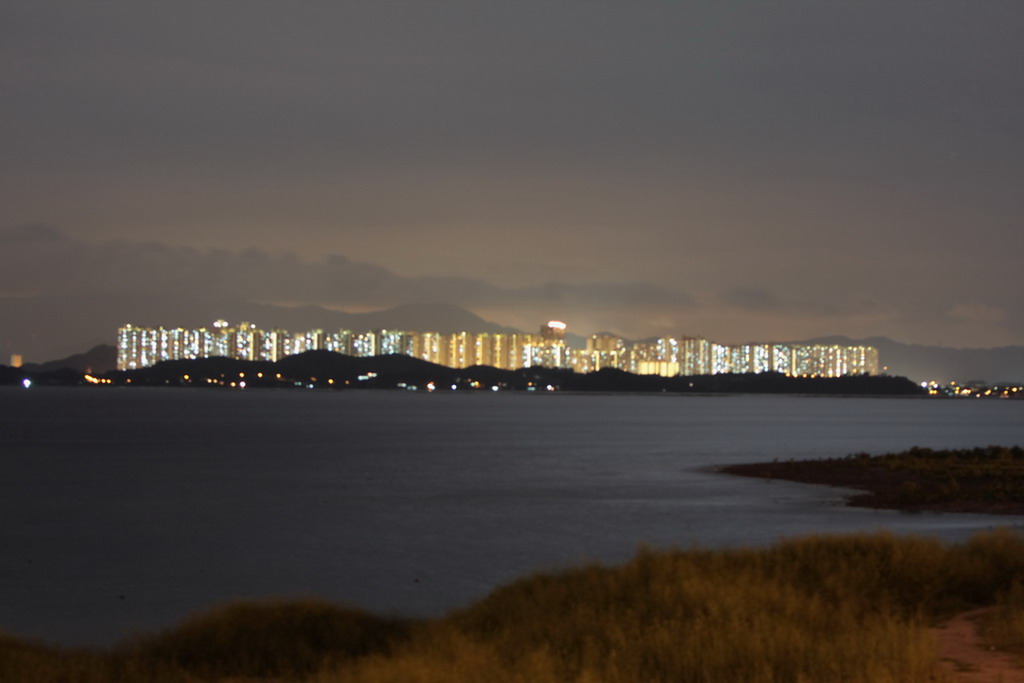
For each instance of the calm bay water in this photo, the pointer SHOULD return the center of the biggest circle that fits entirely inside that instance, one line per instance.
(122, 510)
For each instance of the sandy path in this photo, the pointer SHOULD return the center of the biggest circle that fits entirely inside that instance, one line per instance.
(964, 656)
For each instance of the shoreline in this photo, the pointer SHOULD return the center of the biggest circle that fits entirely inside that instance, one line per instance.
(984, 480)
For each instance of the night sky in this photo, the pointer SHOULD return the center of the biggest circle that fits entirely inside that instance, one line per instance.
(739, 170)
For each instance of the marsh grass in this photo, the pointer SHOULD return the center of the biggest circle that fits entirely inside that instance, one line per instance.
(852, 608)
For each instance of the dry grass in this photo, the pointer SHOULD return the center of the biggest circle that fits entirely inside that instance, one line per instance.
(851, 608)
(1003, 626)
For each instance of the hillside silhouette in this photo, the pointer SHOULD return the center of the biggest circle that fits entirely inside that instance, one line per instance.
(336, 370)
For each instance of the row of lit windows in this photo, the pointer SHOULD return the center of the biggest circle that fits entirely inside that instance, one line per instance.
(141, 346)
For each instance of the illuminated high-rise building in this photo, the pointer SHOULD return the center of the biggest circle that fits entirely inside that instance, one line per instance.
(393, 342)
(273, 344)
(553, 330)
(339, 342)
(782, 358)
(604, 351)
(483, 349)
(246, 345)
(861, 360)
(500, 351)
(432, 347)
(547, 349)
(364, 344)
(139, 347)
(696, 356)
(460, 350)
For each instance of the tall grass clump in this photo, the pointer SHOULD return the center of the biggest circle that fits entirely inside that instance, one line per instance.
(986, 566)
(31, 662)
(818, 609)
(833, 608)
(261, 640)
(1003, 626)
(266, 639)
(991, 567)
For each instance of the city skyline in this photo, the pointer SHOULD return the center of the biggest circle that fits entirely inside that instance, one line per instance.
(742, 169)
(140, 347)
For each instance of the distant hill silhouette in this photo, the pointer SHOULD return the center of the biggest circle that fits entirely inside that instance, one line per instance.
(97, 360)
(329, 369)
(924, 363)
(72, 323)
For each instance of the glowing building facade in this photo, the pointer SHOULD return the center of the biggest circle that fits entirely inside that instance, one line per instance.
(139, 347)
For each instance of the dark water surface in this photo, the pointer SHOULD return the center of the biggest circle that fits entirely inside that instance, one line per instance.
(121, 510)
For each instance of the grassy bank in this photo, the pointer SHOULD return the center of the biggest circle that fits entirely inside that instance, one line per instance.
(989, 479)
(852, 608)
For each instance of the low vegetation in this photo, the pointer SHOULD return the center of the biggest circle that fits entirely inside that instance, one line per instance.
(852, 608)
(1003, 627)
(989, 479)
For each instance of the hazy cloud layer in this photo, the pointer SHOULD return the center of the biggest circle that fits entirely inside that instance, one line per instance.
(42, 260)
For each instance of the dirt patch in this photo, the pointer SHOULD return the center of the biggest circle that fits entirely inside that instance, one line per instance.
(967, 659)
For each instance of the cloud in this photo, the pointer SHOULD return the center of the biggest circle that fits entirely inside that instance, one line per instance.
(46, 261)
(820, 304)
(751, 298)
(977, 313)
